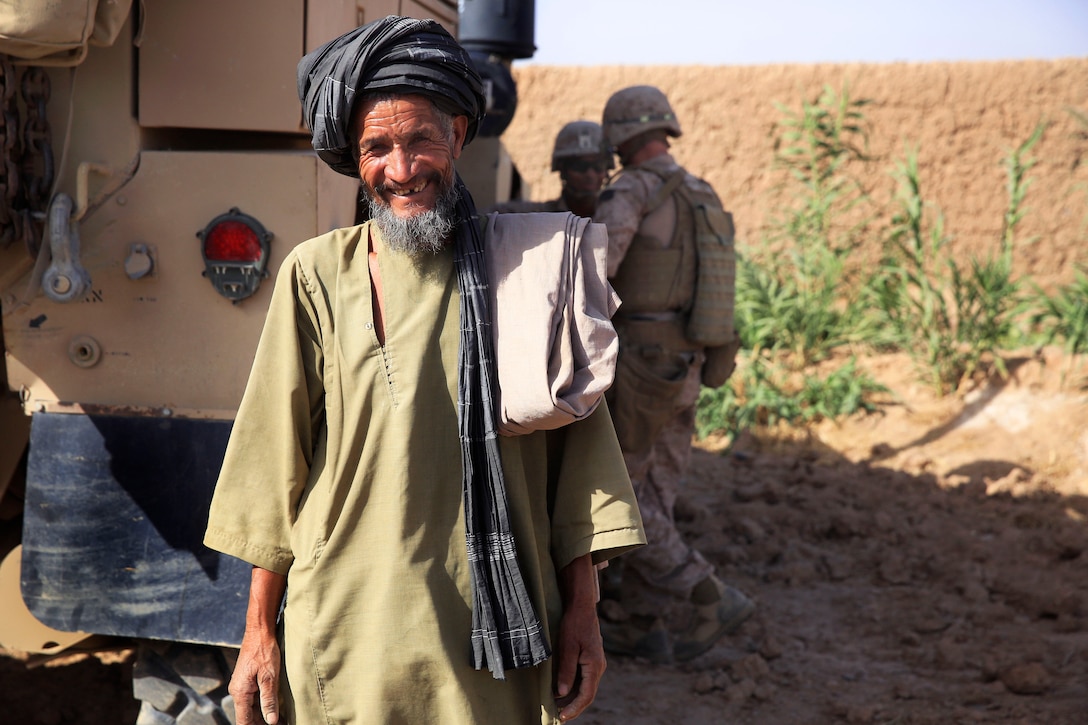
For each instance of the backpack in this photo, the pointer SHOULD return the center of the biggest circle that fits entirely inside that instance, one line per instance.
(700, 214)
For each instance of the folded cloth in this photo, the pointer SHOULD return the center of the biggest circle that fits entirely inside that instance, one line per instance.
(555, 345)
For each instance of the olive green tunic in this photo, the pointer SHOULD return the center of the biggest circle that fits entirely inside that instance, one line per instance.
(344, 473)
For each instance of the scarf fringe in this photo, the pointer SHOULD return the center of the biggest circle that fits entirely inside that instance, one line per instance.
(506, 630)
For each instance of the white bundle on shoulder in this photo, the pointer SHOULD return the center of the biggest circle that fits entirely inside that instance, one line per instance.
(551, 309)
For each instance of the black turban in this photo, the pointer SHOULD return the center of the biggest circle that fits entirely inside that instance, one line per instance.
(391, 55)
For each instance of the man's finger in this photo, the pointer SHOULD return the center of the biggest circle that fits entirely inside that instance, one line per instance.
(583, 692)
(566, 691)
(243, 702)
(567, 676)
(270, 706)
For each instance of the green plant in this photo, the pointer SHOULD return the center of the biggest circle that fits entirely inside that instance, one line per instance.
(908, 289)
(953, 321)
(764, 394)
(797, 293)
(1065, 314)
(815, 145)
(843, 391)
(798, 306)
(1017, 165)
(747, 399)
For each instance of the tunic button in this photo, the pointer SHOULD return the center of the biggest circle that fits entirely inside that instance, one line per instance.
(370, 325)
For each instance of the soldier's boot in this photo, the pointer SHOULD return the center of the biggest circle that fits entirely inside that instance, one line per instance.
(638, 636)
(719, 610)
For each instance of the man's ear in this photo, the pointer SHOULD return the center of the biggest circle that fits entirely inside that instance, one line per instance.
(460, 130)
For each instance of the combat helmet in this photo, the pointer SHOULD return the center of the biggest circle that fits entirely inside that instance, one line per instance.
(580, 138)
(635, 110)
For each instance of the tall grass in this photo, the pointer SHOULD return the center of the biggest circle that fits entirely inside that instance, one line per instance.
(797, 296)
(800, 297)
(765, 394)
(793, 294)
(1064, 316)
(954, 319)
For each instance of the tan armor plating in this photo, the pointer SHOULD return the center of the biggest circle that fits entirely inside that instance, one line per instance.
(658, 272)
(693, 273)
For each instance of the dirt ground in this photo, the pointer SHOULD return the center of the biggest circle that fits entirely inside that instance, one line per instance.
(925, 565)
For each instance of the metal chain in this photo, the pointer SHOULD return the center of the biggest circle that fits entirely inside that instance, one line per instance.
(10, 220)
(27, 166)
(37, 154)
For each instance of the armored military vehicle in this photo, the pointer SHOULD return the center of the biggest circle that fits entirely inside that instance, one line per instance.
(155, 172)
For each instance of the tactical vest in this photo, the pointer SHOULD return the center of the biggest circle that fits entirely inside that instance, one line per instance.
(700, 253)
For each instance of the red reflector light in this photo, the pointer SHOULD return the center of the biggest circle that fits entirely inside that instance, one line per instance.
(232, 241)
(235, 250)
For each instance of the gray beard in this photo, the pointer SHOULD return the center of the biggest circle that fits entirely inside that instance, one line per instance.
(423, 233)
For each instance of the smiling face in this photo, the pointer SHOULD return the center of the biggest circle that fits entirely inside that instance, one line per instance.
(406, 152)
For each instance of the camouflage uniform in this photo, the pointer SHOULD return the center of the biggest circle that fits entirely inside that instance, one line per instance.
(666, 571)
(673, 605)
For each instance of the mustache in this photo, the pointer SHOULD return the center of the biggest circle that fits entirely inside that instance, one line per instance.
(430, 178)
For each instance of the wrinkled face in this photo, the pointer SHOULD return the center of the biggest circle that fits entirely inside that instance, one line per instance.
(406, 152)
(583, 175)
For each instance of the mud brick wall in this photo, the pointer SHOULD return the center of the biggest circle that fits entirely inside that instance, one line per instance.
(963, 118)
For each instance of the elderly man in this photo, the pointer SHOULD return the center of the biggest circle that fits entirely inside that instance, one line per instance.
(670, 257)
(583, 160)
(401, 547)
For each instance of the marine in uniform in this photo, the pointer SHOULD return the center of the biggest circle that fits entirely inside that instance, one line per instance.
(583, 161)
(672, 605)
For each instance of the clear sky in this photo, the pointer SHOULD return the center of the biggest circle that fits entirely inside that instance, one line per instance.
(757, 32)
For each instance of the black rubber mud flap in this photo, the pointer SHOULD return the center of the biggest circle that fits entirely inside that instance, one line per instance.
(115, 513)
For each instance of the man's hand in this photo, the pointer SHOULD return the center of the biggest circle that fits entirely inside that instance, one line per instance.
(580, 660)
(255, 682)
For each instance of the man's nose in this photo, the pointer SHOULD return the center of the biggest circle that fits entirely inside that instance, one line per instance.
(398, 164)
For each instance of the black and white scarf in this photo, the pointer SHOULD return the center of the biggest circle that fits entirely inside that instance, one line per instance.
(506, 631)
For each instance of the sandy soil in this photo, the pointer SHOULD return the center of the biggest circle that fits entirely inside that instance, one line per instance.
(926, 565)
(923, 566)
